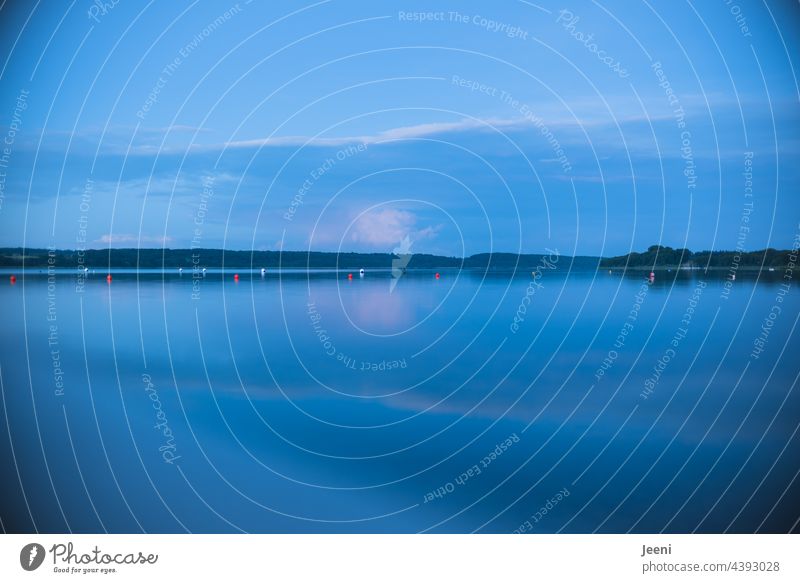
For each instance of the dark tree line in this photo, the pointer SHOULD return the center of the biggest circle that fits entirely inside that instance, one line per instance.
(215, 258)
(655, 257)
(661, 256)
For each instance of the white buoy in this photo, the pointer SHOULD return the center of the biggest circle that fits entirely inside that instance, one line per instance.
(361, 272)
(263, 271)
(180, 270)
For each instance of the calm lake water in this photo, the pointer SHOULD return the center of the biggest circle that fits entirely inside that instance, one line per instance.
(292, 402)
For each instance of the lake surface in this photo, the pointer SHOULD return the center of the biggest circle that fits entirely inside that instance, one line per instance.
(294, 402)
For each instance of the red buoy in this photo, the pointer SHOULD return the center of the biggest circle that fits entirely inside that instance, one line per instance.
(349, 276)
(235, 277)
(437, 276)
(13, 279)
(108, 278)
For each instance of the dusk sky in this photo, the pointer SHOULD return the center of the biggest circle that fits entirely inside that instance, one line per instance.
(464, 126)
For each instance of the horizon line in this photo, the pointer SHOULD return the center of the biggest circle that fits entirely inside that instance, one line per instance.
(340, 252)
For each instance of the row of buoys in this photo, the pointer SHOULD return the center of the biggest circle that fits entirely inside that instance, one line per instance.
(361, 274)
(13, 278)
(236, 275)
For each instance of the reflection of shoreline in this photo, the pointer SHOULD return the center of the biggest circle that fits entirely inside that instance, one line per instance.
(648, 269)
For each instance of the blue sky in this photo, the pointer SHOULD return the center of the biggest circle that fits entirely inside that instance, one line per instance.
(464, 126)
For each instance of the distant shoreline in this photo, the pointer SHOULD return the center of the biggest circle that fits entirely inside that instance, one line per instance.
(656, 258)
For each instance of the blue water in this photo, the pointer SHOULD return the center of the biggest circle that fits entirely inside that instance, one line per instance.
(311, 403)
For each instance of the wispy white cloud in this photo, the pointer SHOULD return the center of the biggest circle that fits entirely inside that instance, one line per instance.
(586, 112)
(440, 128)
(399, 133)
(583, 112)
(393, 134)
